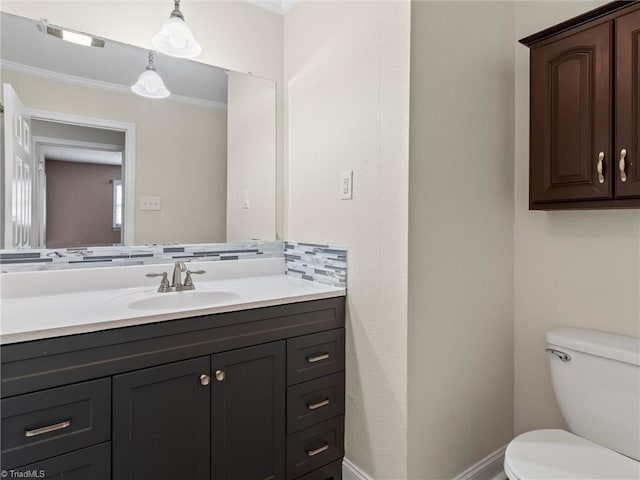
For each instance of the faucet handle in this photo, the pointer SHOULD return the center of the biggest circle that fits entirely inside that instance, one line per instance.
(164, 283)
(188, 281)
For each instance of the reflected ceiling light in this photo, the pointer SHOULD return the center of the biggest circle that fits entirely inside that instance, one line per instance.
(149, 83)
(175, 37)
(70, 36)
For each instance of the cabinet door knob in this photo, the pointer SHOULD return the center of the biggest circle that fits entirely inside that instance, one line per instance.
(204, 379)
(219, 375)
(599, 167)
(622, 164)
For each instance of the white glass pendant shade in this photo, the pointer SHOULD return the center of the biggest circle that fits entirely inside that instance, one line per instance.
(175, 37)
(150, 84)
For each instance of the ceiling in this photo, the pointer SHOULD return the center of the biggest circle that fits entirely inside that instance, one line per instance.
(119, 64)
(277, 6)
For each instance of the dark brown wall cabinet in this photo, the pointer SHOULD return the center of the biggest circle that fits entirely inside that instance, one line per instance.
(251, 395)
(584, 107)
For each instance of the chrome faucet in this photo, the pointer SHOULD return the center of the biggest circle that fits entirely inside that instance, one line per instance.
(176, 284)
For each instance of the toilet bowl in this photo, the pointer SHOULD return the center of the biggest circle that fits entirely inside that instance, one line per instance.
(596, 380)
(560, 455)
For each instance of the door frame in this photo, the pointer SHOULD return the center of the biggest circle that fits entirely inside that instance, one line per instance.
(128, 160)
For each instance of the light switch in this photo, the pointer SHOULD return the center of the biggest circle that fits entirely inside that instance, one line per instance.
(346, 185)
(245, 199)
(149, 203)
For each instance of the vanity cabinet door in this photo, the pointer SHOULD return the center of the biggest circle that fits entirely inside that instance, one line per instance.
(627, 152)
(571, 118)
(161, 422)
(248, 413)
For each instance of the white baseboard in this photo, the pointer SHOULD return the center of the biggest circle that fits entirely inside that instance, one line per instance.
(352, 472)
(489, 468)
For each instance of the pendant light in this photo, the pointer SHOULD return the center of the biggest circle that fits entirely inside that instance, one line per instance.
(175, 37)
(149, 83)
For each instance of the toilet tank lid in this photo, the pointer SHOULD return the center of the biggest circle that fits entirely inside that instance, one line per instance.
(602, 344)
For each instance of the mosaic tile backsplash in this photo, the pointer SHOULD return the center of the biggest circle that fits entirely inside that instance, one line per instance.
(49, 259)
(316, 262)
(322, 263)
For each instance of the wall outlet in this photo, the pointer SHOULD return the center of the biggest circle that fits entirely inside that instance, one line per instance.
(346, 185)
(149, 203)
(245, 199)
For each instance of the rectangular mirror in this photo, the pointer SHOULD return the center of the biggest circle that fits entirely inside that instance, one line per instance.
(87, 162)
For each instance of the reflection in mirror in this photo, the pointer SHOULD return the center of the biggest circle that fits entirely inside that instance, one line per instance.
(87, 162)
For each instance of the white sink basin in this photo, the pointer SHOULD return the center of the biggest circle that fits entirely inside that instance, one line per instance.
(175, 300)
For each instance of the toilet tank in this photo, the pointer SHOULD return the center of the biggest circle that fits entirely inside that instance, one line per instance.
(598, 386)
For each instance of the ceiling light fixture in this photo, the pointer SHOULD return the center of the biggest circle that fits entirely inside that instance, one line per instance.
(149, 83)
(70, 36)
(175, 37)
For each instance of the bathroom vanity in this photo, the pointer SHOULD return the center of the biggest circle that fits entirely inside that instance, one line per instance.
(239, 393)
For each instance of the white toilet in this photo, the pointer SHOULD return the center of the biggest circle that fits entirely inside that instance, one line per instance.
(596, 379)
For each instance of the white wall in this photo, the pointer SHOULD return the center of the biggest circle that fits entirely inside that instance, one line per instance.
(251, 158)
(347, 76)
(184, 163)
(460, 235)
(577, 268)
(234, 35)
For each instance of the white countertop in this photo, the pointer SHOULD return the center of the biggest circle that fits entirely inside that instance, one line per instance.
(68, 312)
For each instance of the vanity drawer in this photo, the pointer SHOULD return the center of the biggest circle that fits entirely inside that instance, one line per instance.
(47, 423)
(315, 401)
(333, 471)
(314, 447)
(89, 463)
(316, 355)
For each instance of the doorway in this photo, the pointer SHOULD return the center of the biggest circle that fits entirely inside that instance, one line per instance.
(24, 202)
(79, 191)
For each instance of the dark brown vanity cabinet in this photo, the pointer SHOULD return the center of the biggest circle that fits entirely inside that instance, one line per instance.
(252, 395)
(584, 109)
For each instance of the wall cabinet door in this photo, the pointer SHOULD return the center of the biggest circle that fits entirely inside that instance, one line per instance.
(627, 150)
(161, 422)
(571, 117)
(248, 413)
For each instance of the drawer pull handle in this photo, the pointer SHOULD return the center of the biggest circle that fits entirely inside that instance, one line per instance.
(49, 428)
(318, 358)
(314, 406)
(313, 453)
